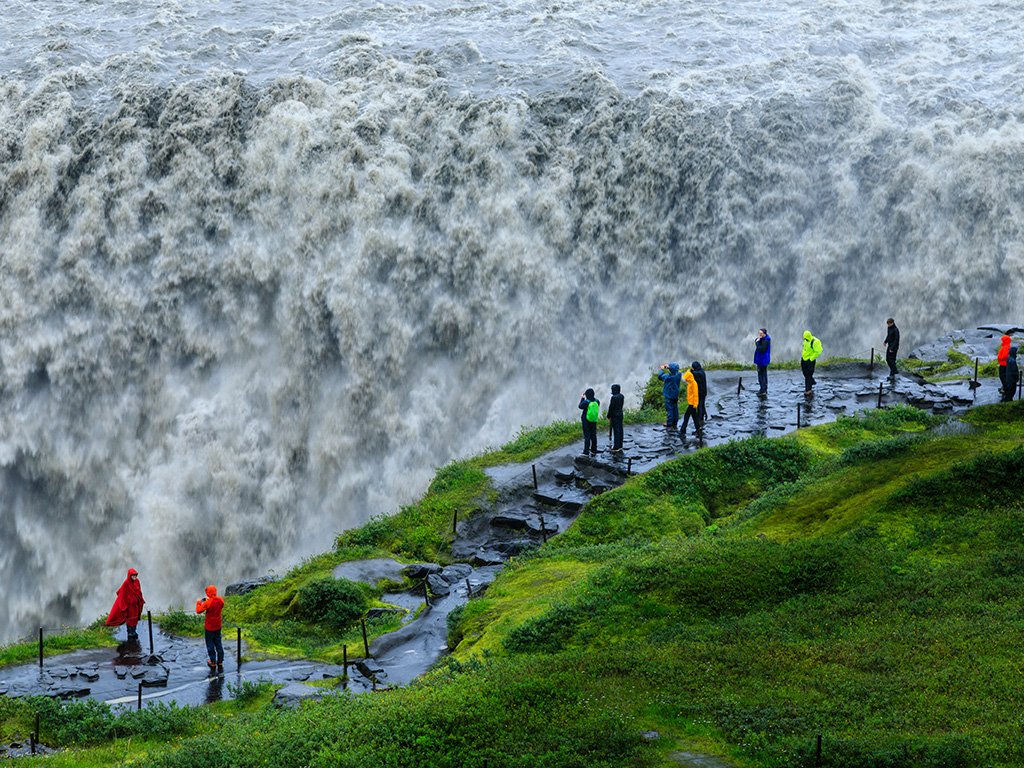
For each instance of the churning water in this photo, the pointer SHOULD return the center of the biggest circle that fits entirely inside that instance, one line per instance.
(266, 264)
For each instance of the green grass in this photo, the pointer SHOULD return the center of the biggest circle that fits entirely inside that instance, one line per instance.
(55, 642)
(861, 580)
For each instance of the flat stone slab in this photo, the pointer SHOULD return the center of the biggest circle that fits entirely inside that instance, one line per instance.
(371, 571)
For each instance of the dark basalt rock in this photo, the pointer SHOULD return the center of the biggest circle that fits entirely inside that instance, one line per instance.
(90, 673)
(66, 690)
(510, 522)
(155, 677)
(421, 570)
(438, 585)
(248, 585)
(456, 572)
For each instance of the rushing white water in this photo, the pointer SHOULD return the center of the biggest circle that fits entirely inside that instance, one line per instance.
(265, 265)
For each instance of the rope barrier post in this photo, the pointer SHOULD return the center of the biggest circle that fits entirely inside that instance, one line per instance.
(739, 386)
(543, 530)
(40, 647)
(469, 589)
(37, 728)
(239, 657)
(366, 643)
(872, 366)
(344, 660)
(140, 696)
(975, 371)
(629, 466)
(879, 395)
(534, 467)
(32, 742)
(798, 415)
(455, 519)
(149, 617)
(426, 594)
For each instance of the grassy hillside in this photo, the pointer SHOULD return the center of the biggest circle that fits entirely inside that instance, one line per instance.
(860, 580)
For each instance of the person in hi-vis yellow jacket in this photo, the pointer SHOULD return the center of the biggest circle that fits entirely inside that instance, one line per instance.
(812, 348)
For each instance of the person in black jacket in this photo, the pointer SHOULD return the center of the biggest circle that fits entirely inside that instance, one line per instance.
(615, 417)
(892, 346)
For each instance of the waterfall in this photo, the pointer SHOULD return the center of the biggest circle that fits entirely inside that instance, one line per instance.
(240, 312)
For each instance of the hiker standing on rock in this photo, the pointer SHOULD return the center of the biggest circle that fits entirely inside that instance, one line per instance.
(615, 417)
(1001, 355)
(762, 358)
(590, 407)
(696, 391)
(1012, 374)
(212, 606)
(811, 351)
(892, 346)
(672, 377)
(127, 607)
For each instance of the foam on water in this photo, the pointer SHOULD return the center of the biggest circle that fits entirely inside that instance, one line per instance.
(263, 269)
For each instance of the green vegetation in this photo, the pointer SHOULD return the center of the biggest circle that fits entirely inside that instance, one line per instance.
(862, 580)
(96, 635)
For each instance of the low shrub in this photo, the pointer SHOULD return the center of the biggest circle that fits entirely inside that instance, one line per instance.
(182, 623)
(334, 602)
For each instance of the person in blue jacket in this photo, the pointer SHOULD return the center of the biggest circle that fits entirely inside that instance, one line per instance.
(670, 390)
(590, 406)
(762, 358)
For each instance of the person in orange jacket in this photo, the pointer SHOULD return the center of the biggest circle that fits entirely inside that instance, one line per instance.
(127, 607)
(1001, 355)
(212, 606)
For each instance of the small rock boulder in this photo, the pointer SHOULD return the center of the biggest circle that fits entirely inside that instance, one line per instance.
(291, 694)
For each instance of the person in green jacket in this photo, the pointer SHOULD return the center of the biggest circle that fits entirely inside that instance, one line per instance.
(812, 348)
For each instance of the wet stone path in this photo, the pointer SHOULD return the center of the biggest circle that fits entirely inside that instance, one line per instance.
(535, 502)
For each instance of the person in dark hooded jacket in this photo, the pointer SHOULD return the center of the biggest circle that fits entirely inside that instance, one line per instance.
(696, 391)
(127, 608)
(670, 391)
(615, 416)
(590, 406)
(1012, 374)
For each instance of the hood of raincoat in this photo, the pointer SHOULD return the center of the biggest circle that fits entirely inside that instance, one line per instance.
(211, 591)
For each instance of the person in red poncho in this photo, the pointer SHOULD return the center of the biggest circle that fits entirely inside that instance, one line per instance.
(1001, 355)
(128, 605)
(212, 606)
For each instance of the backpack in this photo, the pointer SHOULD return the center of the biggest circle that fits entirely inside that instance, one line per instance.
(592, 410)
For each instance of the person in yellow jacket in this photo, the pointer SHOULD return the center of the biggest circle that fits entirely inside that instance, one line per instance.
(812, 348)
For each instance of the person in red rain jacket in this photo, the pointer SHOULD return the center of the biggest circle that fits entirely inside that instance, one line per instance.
(1001, 355)
(212, 606)
(128, 605)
